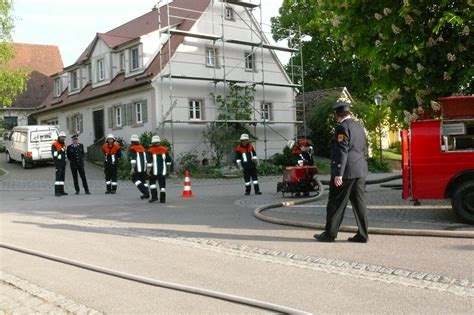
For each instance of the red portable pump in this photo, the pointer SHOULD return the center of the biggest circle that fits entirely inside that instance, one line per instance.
(438, 157)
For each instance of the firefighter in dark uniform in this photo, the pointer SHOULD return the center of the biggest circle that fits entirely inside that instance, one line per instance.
(247, 159)
(138, 161)
(348, 173)
(75, 155)
(302, 153)
(158, 161)
(113, 154)
(58, 151)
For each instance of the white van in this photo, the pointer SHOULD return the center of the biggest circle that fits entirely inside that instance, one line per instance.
(30, 144)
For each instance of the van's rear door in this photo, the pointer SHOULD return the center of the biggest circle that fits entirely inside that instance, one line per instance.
(41, 141)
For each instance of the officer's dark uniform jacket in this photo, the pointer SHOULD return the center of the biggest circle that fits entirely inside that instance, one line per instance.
(75, 155)
(137, 157)
(158, 160)
(58, 151)
(246, 156)
(112, 154)
(344, 147)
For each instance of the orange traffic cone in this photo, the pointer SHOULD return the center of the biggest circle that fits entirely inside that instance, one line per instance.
(187, 192)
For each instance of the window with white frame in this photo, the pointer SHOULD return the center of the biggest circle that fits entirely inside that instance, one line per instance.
(134, 59)
(58, 89)
(52, 122)
(229, 13)
(74, 80)
(138, 113)
(118, 116)
(249, 61)
(100, 69)
(211, 57)
(122, 61)
(266, 111)
(195, 109)
(77, 123)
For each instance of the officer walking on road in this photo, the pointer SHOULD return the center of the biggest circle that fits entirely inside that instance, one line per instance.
(113, 154)
(137, 157)
(75, 155)
(348, 173)
(247, 159)
(158, 161)
(58, 151)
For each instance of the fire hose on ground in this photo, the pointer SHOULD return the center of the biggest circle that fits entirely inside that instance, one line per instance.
(352, 229)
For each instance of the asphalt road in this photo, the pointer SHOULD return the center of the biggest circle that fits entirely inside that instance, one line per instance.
(213, 241)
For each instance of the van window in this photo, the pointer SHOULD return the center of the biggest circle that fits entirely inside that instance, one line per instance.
(43, 135)
(22, 137)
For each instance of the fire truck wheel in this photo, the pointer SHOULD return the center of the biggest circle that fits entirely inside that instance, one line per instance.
(463, 201)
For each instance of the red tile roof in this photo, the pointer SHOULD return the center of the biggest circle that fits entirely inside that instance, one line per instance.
(45, 59)
(133, 29)
(41, 61)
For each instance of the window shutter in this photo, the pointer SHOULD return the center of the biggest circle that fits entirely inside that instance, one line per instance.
(124, 114)
(110, 116)
(134, 113)
(68, 123)
(129, 114)
(81, 123)
(144, 111)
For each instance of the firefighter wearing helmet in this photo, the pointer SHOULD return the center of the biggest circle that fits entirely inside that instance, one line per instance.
(138, 161)
(58, 151)
(247, 159)
(301, 152)
(113, 154)
(158, 162)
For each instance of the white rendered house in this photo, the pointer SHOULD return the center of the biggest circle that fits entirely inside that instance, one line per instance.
(157, 72)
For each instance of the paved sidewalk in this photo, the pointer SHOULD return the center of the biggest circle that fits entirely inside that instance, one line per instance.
(18, 296)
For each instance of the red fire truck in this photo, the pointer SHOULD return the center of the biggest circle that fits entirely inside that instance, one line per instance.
(438, 157)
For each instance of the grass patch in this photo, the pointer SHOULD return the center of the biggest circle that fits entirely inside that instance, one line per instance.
(390, 155)
(2, 172)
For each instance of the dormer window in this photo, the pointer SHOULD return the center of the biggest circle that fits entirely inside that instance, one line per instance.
(100, 69)
(134, 59)
(74, 80)
(229, 14)
(58, 89)
(122, 61)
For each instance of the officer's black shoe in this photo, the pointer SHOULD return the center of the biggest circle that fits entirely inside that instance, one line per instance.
(247, 193)
(152, 200)
(88, 192)
(306, 194)
(323, 237)
(144, 196)
(298, 195)
(58, 194)
(63, 193)
(357, 239)
(113, 192)
(77, 192)
(108, 192)
(258, 192)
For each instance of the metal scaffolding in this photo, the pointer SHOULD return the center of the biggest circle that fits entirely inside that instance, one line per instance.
(258, 44)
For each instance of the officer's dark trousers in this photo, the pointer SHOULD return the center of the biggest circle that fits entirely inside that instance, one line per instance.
(80, 170)
(353, 190)
(59, 178)
(251, 174)
(139, 179)
(111, 177)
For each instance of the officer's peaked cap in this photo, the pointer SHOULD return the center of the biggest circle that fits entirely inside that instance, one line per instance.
(134, 138)
(341, 107)
(244, 136)
(155, 139)
(74, 136)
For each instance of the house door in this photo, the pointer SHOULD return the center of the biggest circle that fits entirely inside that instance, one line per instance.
(98, 119)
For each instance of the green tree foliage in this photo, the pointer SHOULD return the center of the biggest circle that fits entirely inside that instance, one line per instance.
(236, 104)
(12, 82)
(414, 51)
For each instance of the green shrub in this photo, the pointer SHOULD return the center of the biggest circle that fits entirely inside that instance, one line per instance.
(2, 147)
(396, 147)
(377, 166)
(283, 159)
(323, 167)
(268, 168)
(124, 169)
(187, 160)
